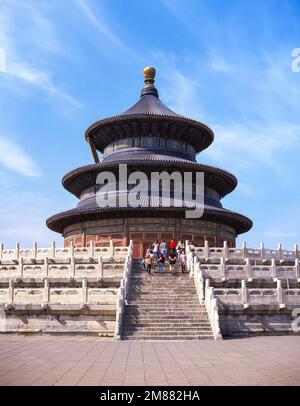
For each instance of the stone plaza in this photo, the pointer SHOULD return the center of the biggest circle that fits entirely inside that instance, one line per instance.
(79, 360)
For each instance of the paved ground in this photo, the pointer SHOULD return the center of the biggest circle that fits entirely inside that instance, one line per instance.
(42, 360)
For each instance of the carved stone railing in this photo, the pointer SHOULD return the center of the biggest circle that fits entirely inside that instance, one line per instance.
(123, 292)
(245, 252)
(246, 265)
(211, 304)
(246, 297)
(224, 270)
(62, 268)
(199, 283)
(67, 252)
(46, 295)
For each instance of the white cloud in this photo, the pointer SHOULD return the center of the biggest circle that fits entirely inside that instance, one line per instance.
(103, 28)
(40, 79)
(2, 61)
(243, 144)
(38, 31)
(99, 25)
(218, 64)
(279, 233)
(14, 158)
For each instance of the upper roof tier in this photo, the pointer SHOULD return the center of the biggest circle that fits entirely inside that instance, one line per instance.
(149, 117)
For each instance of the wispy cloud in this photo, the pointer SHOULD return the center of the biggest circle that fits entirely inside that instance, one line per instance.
(34, 19)
(244, 144)
(279, 233)
(219, 64)
(39, 32)
(14, 158)
(22, 218)
(41, 79)
(103, 28)
(99, 25)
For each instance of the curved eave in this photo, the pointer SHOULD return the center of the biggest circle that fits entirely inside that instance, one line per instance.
(81, 178)
(60, 221)
(105, 131)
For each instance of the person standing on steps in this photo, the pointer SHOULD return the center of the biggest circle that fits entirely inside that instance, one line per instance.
(179, 248)
(149, 261)
(172, 261)
(156, 249)
(143, 263)
(164, 248)
(161, 262)
(182, 259)
(173, 245)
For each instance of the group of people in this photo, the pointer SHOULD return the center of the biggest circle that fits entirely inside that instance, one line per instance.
(159, 253)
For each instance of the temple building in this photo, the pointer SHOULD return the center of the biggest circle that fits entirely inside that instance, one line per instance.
(148, 137)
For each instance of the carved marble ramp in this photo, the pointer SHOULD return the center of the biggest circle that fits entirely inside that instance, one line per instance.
(164, 307)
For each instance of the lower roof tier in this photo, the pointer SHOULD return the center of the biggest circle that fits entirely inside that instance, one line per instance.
(84, 177)
(60, 221)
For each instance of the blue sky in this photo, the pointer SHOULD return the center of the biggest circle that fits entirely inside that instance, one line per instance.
(228, 64)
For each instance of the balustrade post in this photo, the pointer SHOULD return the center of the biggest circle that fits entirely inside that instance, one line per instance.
(279, 251)
(17, 251)
(194, 262)
(279, 292)
(297, 268)
(206, 289)
(73, 266)
(200, 284)
(296, 251)
(46, 291)
(91, 249)
(100, 267)
(52, 250)
(262, 250)
(84, 290)
(206, 249)
(245, 250)
(111, 248)
(34, 250)
(225, 249)
(248, 268)
(244, 290)
(21, 267)
(10, 291)
(46, 266)
(71, 250)
(222, 268)
(273, 268)
(187, 247)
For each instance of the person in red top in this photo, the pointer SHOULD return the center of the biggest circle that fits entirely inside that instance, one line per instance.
(173, 245)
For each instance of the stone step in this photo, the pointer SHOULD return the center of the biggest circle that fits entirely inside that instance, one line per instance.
(164, 312)
(164, 306)
(167, 324)
(169, 292)
(168, 337)
(170, 330)
(174, 300)
(166, 318)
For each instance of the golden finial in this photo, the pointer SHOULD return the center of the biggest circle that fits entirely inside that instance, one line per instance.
(149, 75)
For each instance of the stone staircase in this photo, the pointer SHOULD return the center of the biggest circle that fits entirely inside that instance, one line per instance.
(164, 307)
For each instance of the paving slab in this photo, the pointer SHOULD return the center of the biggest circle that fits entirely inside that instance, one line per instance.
(76, 360)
